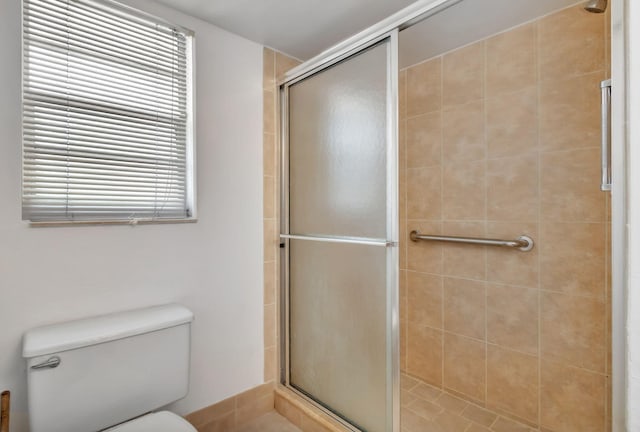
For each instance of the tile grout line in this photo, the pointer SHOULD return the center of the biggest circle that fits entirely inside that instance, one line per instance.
(486, 216)
(406, 224)
(511, 285)
(607, 257)
(602, 72)
(539, 158)
(442, 291)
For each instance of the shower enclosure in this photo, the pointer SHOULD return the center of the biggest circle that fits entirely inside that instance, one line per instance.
(340, 235)
(445, 258)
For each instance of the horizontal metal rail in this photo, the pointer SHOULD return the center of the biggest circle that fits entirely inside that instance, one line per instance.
(350, 240)
(523, 243)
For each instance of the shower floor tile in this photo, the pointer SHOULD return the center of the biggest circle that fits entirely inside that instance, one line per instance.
(425, 408)
(270, 422)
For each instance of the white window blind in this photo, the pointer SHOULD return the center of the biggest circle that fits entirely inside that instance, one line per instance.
(106, 116)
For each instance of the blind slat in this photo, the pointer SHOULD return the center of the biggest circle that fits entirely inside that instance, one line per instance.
(61, 16)
(73, 43)
(104, 114)
(38, 60)
(94, 9)
(115, 98)
(124, 130)
(76, 37)
(71, 29)
(60, 73)
(36, 101)
(152, 141)
(83, 117)
(88, 160)
(39, 47)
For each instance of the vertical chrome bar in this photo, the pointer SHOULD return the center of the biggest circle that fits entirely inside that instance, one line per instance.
(393, 289)
(284, 229)
(605, 88)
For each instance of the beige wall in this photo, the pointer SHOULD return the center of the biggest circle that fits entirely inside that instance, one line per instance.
(501, 138)
(214, 266)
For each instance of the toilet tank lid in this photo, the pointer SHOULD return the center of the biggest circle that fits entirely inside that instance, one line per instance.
(91, 331)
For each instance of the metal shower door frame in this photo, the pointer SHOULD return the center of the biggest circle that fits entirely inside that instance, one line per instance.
(392, 226)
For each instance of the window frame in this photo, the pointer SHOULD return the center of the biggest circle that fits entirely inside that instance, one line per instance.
(190, 131)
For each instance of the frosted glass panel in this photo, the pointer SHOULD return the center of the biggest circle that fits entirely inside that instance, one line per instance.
(338, 141)
(338, 328)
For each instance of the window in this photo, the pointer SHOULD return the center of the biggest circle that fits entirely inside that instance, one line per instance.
(107, 121)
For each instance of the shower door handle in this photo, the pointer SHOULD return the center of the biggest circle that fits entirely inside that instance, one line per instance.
(605, 89)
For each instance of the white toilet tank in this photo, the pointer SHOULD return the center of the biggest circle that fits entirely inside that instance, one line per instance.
(90, 374)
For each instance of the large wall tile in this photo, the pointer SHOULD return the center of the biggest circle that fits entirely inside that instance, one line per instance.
(424, 87)
(425, 257)
(269, 162)
(464, 261)
(464, 195)
(402, 94)
(424, 193)
(512, 382)
(269, 116)
(572, 258)
(268, 69)
(570, 112)
(572, 400)
(424, 140)
(270, 281)
(573, 330)
(512, 189)
(269, 197)
(463, 75)
(570, 186)
(512, 317)
(571, 42)
(424, 299)
(510, 266)
(464, 307)
(465, 366)
(463, 136)
(512, 123)
(511, 60)
(424, 353)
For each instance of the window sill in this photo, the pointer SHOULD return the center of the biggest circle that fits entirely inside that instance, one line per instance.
(133, 222)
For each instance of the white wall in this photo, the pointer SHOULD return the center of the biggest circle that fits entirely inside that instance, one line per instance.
(633, 293)
(214, 266)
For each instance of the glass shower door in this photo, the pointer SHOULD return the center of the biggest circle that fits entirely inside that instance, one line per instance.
(340, 230)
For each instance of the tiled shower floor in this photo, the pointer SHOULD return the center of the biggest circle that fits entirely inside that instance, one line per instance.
(428, 409)
(270, 422)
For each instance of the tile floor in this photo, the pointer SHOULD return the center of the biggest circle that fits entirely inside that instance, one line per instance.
(428, 409)
(270, 422)
(423, 409)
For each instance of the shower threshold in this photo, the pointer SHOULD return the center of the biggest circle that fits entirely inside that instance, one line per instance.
(428, 408)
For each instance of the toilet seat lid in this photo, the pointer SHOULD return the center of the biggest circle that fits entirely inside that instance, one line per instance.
(163, 421)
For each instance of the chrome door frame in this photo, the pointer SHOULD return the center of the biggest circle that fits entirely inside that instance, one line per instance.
(392, 228)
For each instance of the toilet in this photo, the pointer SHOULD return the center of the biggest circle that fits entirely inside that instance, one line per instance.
(109, 373)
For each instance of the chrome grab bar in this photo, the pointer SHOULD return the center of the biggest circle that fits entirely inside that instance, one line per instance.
(523, 243)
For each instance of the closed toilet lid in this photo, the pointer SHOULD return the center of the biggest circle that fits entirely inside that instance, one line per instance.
(163, 421)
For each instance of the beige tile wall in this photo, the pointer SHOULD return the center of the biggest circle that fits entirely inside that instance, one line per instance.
(303, 415)
(275, 65)
(501, 138)
(234, 412)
